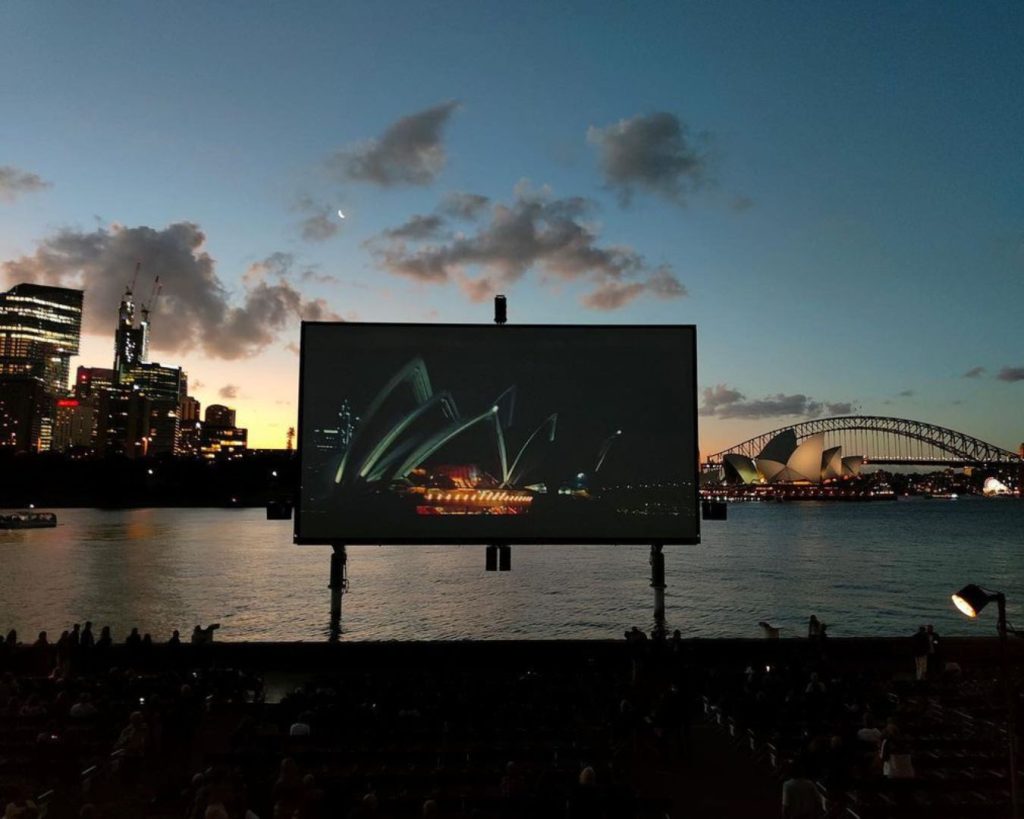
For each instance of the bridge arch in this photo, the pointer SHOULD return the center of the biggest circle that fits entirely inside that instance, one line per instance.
(884, 441)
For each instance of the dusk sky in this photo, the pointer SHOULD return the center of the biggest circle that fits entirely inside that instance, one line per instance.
(832, 192)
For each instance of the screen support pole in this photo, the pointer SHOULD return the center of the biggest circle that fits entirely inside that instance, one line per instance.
(658, 584)
(338, 585)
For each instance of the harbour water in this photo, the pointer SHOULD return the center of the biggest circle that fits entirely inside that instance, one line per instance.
(865, 569)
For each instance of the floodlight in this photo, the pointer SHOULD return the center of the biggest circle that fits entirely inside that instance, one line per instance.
(971, 599)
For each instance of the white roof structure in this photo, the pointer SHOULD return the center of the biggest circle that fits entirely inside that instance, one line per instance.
(785, 460)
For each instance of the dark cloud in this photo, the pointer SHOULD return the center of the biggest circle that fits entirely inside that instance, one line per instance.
(319, 227)
(228, 391)
(533, 231)
(467, 206)
(321, 222)
(722, 401)
(654, 153)
(905, 393)
(974, 372)
(1011, 374)
(14, 182)
(719, 396)
(741, 203)
(409, 152)
(195, 311)
(417, 227)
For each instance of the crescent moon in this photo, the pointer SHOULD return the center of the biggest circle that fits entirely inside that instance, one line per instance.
(341, 215)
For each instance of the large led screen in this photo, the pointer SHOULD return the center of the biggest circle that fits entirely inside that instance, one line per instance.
(488, 434)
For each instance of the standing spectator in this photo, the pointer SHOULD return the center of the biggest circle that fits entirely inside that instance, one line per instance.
(922, 645)
(813, 628)
(41, 654)
(64, 648)
(935, 664)
(102, 652)
(88, 640)
(105, 641)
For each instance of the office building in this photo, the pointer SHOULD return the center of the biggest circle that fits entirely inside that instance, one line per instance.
(40, 329)
(74, 425)
(220, 416)
(25, 413)
(91, 381)
(218, 442)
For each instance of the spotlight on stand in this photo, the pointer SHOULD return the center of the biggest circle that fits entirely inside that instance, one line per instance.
(970, 600)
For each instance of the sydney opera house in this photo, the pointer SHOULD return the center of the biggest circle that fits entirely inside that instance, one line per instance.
(785, 460)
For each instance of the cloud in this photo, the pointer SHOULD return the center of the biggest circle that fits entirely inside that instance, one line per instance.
(228, 391)
(466, 206)
(1011, 374)
(196, 311)
(409, 152)
(319, 227)
(14, 182)
(722, 401)
(535, 231)
(654, 153)
(974, 372)
(905, 393)
(321, 224)
(741, 203)
(417, 227)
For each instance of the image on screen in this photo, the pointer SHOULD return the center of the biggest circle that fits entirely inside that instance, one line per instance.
(486, 434)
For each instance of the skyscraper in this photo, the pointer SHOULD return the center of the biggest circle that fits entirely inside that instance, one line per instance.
(40, 329)
(131, 340)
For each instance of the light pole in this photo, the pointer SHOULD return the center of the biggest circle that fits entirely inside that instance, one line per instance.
(971, 599)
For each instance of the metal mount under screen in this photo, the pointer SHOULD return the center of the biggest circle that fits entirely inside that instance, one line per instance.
(481, 434)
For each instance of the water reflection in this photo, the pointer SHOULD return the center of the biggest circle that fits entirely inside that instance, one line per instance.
(864, 569)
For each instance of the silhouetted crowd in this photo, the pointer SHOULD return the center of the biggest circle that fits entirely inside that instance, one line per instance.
(84, 737)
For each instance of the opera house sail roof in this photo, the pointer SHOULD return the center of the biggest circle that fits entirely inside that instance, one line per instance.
(784, 459)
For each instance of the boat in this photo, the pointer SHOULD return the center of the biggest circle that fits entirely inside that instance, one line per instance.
(941, 495)
(27, 520)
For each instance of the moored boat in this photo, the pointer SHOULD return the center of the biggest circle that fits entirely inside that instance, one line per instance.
(27, 520)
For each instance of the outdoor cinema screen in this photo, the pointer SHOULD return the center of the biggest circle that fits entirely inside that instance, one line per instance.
(486, 434)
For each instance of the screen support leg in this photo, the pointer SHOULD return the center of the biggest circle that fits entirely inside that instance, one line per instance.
(338, 585)
(658, 584)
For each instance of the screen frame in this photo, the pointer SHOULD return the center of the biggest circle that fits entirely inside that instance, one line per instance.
(476, 541)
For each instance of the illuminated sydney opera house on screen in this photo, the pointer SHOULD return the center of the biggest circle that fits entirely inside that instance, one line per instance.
(784, 460)
(487, 441)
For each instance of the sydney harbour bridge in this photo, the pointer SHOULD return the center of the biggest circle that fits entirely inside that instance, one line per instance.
(884, 440)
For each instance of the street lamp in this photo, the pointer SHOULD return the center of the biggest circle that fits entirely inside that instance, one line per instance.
(970, 600)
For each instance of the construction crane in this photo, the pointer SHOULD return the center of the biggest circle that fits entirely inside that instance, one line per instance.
(154, 295)
(135, 277)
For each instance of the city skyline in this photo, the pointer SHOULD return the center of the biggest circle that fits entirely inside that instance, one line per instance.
(830, 193)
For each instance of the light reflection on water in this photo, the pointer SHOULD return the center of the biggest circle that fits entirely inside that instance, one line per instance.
(866, 569)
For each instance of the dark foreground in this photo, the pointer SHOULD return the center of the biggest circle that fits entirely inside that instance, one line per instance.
(702, 728)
